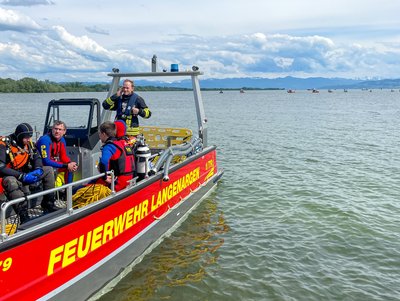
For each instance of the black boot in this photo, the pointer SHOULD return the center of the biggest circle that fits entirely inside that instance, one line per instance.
(23, 217)
(48, 205)
(22, 211)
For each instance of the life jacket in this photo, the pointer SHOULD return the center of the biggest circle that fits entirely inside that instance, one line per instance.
(17, 156)
(55, 150)
(130, 120)
(123, 164)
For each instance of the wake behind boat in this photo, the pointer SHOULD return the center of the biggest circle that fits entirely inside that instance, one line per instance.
(74, 252)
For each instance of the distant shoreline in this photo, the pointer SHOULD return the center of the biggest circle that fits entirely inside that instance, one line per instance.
(31, 85)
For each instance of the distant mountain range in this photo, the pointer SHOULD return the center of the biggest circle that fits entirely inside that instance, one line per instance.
(281, 83)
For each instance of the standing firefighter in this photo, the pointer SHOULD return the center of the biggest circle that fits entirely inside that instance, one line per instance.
(128, 106)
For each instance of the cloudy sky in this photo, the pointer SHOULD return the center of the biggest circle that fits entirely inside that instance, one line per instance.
(82, 40)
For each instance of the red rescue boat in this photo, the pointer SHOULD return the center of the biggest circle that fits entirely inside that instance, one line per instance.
(73, 253)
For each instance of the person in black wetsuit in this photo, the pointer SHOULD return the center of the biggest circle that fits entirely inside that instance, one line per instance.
(20, 167)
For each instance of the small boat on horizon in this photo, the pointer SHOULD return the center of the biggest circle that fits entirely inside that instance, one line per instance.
(291, 91)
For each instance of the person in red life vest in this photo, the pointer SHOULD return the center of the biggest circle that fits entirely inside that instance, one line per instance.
(116, 155)
(120, 128)
(53, 150)
(20, 167)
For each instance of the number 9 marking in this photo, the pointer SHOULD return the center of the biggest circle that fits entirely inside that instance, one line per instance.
(6, 264)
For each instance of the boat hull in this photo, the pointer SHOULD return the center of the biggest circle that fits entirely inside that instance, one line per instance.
(77, 256)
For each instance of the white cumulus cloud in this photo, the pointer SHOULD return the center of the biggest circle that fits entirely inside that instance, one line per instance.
(14, 21)
(49, 39)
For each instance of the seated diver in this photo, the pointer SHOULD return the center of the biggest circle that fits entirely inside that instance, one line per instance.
(21, 166)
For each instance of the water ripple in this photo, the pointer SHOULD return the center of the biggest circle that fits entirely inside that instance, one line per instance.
(308, 208)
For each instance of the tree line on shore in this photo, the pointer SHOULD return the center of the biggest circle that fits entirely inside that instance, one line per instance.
(31, 85)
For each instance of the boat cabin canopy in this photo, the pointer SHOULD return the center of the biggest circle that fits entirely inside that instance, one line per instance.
(82, 116)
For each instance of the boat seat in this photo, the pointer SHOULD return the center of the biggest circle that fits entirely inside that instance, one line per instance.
(160, 138)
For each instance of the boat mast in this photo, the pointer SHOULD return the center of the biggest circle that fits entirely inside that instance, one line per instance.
(201, 116)
(106, 114)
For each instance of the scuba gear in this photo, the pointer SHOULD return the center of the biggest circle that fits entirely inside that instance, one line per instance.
(18, 156)
(143, 154)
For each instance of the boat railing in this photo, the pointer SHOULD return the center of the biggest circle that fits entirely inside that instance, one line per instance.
(68, 199)
(185, 149)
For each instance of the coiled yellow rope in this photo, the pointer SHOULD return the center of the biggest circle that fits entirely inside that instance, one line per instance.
(89, 194)
(10, 228)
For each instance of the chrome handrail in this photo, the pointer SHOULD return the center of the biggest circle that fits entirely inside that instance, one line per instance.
(67, 187)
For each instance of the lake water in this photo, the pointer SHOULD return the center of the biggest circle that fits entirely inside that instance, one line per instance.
(308, 207)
